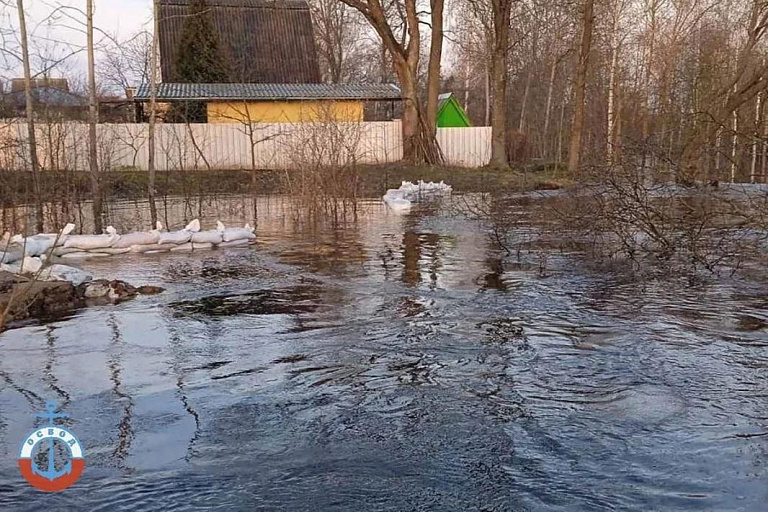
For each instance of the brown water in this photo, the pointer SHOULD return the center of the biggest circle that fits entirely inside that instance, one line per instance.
(399, 363)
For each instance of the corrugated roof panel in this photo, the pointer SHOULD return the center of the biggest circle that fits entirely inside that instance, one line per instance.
(240, 92)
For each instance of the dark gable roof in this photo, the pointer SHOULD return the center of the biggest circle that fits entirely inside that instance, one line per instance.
(256, 92)
(263, 41)
(46, 96)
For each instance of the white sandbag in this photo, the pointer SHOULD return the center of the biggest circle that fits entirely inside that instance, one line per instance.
(113, 250)
(150, 248)
(232, 234)
(138, 238)
(213, 236)
(61, 251)
(26, 265)
(9, 254)
(235, 243)
(33, 245)
(81, 255)
(196, 246)
(181, 236)
(187, 247)
(89, 242)
(395, 199)
(58, 272)
(193, 226)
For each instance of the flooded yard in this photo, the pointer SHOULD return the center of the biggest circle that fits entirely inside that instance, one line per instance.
(394, 363)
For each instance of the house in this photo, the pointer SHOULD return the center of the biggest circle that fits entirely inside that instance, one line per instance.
(54, 102)
(262, 41)
(51, 97)
(450, 113)
(274, 74)
(275, 103)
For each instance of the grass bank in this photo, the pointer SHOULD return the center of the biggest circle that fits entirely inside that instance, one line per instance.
(17, 187)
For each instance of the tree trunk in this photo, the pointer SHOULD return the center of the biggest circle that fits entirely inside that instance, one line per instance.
(30, 107)
(548, 110)
(93, 119)
(612, 98)
(502, 12)
(581, 86)
(433, 71)
(487, 88)
(152, 115)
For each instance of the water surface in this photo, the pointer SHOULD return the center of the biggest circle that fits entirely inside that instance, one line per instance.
(397, 363)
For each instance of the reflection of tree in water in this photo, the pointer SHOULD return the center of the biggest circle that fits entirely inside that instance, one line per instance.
(178, 362)
(415, 247)
(125, 428)
(494, 278)
(50, 363)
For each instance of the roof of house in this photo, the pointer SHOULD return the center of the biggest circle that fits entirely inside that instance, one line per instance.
(262, 41)
(450, 113)
(269, 92)
(47, 96)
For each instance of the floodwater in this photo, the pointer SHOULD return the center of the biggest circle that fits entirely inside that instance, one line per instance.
(399, 363)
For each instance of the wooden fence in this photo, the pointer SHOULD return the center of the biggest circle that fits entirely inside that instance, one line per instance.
(63, 146)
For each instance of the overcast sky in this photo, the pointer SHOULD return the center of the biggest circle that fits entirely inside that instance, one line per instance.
(52, 34)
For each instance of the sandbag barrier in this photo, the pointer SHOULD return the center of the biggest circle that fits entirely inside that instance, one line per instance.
(31, 255)
(401, 199)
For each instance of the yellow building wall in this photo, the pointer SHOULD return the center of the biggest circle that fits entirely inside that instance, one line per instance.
(284, 111)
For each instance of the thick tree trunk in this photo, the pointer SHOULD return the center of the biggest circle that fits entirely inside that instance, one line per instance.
(433, 71)
(93, 119)
(30, 108)
(580, 87)
(502, 12)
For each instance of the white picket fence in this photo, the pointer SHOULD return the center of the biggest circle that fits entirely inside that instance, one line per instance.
(230, 146)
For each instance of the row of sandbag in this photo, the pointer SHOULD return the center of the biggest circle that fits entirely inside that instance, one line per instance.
(400, 199)
(68, 246)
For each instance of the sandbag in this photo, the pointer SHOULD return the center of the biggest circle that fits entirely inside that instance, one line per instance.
(89, 242)
(84, 255)
(193, 226)
(187, 247)
(235, 243)
(213, 236)
(10, 254)
(175, 237)
(139, 238)
(58, 272)
(201, 246)
(232, 234)
(113, 250)
(150, 248)
(61, 251)
(26, 265)
(37, 245)
(33, 245)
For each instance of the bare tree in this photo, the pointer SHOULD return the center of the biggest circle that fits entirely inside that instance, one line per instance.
(93, 119)
(418, 143)
(30, 111)
(153, 114)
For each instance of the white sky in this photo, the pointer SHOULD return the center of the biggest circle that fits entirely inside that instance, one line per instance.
(51, 35)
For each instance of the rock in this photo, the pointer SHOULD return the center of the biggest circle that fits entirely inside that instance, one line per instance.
(44, 299)
(38, 299)
(150, 289)
(102, 291)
